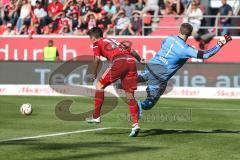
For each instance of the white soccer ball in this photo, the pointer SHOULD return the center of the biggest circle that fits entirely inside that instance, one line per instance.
(26, 109)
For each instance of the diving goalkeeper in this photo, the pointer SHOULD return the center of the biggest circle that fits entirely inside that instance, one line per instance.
(173, 55)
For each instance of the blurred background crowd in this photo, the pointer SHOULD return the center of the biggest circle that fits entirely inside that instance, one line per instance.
(115, 17)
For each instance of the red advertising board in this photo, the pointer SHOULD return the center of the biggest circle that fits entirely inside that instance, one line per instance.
(71, 47)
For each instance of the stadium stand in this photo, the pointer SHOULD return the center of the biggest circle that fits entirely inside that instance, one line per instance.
(115, 17)
(168, 22)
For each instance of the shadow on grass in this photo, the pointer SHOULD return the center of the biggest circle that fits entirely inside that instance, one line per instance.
(155, 132)
(83, 150)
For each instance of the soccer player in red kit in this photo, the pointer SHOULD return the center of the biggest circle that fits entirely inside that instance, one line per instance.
(123, 67)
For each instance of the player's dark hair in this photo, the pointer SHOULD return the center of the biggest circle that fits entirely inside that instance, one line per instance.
(186, 29)
(95, 32)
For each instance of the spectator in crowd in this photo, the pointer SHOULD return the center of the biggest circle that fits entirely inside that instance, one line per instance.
(107, 31)
(76, 21)
(84, 6)
(1, 22)
(203, 35)
(25, 15)
(1, 7)
(139, 5)
(49, 29)
(104, 20)
(152, 5)
(54, 9)
(23, 30)
(135, 26)
(90, 20)
(65, 30)
(225, 10)
(50, 52)
(80, 30)
(9, 30)
(128, 8)
(147, 20)
(186, 2)
(110, 30)
(121, 23)
(34, 2)
(95, 6)
(9, 12)
(71, 7)
(35, 29)
(173, 7)
(201, 6)
(110, 8)
(194, 16)
(64, 21)
(40, 14)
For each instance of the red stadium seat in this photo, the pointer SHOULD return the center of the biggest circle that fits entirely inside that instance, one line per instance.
(167, 22)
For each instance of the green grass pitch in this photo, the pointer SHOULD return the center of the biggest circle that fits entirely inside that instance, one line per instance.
(175, 129)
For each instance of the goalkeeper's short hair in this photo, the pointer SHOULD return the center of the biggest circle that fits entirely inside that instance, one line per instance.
(186, 29)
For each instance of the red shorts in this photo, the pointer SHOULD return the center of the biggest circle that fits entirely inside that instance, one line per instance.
(124, 69)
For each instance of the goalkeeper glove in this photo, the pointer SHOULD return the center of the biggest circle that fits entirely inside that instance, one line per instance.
(224, 40)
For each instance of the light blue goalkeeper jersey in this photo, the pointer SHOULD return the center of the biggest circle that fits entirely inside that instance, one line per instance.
(173, 55)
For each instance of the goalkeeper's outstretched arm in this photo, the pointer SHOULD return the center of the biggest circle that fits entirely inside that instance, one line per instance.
(193, 53)
(208, 53)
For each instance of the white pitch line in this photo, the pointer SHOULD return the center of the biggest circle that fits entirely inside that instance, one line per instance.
(209, 109)
(54, 134)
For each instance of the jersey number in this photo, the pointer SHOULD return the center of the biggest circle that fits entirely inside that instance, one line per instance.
(114, 44)
(170, 49)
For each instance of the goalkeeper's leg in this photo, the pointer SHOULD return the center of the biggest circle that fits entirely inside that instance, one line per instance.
(154, 92)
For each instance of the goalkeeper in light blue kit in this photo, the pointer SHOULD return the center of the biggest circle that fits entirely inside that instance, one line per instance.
(173, 55)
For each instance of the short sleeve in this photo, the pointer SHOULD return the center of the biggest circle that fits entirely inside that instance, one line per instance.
(229, 8)
(114, 10)
(96, 50)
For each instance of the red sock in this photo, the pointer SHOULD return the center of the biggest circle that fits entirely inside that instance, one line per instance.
(98, 101)
(133, 107)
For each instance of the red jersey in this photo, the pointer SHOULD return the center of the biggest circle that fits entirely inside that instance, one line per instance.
(55, 7)
(110, 48)
(64, 21)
